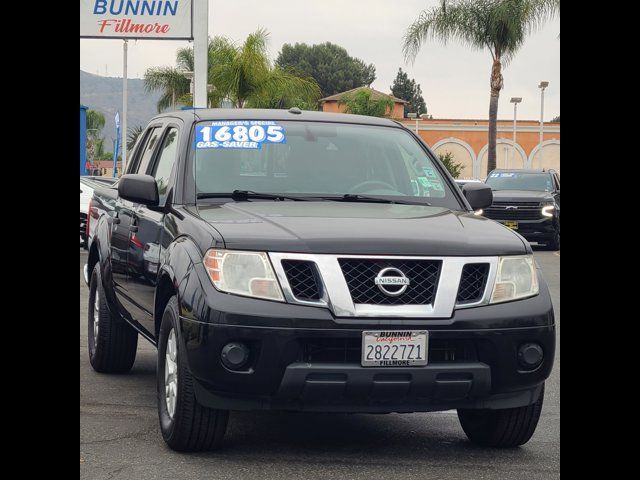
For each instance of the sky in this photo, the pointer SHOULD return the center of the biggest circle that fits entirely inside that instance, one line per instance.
(454, 79)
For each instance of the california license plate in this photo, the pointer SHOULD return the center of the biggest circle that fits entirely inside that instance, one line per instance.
(394, 348)
(511, 224)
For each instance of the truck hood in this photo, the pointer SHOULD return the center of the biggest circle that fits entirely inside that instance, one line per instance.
(521, 196)
(358, 228)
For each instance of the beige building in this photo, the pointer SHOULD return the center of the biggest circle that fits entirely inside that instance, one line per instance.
(467, 142)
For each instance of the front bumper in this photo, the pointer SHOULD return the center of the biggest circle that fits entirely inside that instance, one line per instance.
(283, 374)
(535, 230)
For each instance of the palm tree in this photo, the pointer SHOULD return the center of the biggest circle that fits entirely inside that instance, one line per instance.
(500, 26)
(170, 81)
(95, 123)
(246, 76)
(242, 74)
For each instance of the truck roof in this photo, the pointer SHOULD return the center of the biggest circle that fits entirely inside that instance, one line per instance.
(274, 114)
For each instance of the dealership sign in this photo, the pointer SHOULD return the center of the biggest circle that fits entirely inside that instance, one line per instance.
(157, 19)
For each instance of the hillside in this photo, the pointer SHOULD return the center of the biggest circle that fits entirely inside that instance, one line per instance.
(104, 94)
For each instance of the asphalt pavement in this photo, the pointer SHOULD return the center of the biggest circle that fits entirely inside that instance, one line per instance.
(120, 437)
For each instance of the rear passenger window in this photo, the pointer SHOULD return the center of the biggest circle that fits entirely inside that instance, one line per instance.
(147, 151)
(166, 159)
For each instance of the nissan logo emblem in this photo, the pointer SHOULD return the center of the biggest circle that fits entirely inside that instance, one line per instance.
(392, 282)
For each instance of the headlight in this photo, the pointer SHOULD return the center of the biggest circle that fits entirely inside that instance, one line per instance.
(547, 210)
(243, 273)
(516, 278)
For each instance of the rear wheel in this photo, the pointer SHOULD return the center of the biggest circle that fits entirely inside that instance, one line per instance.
(112, 341)
(510, 427)
(186, 425)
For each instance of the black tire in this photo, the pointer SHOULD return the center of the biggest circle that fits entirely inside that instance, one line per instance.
(554, 244)
(193, 427)
(507, 428)
(117, 342)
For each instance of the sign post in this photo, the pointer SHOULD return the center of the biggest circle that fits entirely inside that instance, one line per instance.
(148, 19)
(200, 53)
(116, 148)
(125, 95)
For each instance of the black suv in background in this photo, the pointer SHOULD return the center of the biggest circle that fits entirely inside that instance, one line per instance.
(527, 201)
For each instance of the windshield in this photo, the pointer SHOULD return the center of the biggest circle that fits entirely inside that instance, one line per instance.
(316, 159)
(537, 182)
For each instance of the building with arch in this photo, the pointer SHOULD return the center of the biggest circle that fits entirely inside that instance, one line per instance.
(467, 142)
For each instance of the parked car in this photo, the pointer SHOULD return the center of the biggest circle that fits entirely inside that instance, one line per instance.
(527, 201)
(309, 261)
(87, 185)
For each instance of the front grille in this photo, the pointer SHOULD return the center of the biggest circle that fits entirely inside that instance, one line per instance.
(523, 211)
(472, 282)
(83, 224)
(348, 350)
(303, 279)
(360, 275)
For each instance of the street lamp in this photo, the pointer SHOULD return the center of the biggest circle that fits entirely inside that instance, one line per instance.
(415, 117)
(542, 86)
(515, 101)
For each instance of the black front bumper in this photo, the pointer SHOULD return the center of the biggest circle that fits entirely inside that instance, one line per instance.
(468, 368)
(542, 230)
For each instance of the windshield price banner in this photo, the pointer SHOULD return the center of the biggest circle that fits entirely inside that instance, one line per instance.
(247, 134)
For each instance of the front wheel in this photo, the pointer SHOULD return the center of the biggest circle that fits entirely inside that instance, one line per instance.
(186, 425)
(509, 427)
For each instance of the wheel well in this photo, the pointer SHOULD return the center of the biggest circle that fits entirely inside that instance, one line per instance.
(164, 291)
(93, 258)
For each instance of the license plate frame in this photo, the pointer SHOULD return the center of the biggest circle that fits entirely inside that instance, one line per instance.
(418, 356)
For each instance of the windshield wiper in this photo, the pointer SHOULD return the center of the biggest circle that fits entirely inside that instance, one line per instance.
(247, 194)
(356, 197)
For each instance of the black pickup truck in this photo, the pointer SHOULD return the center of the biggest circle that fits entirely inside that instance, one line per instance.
(308, 261)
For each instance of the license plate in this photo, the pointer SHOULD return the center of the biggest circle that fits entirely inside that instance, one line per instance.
(511, 224)
(394, 348)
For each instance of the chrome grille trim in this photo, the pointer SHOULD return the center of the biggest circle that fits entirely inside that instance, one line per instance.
(337, 297)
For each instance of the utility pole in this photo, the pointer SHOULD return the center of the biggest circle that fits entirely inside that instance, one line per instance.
(542, 86)
(123, 140)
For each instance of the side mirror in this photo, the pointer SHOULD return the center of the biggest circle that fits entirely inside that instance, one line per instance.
(139, 189)
(479, 195)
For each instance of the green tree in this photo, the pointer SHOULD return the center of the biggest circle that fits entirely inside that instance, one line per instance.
(410, 91)
(95, 142)
(328, 64)
(242, 74)
(455, 169)
(361, 103)
(500, 26)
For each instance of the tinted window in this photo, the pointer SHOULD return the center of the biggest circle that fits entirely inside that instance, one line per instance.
(538, 182)
(147, 151)
(322, 159)
(166, 159)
